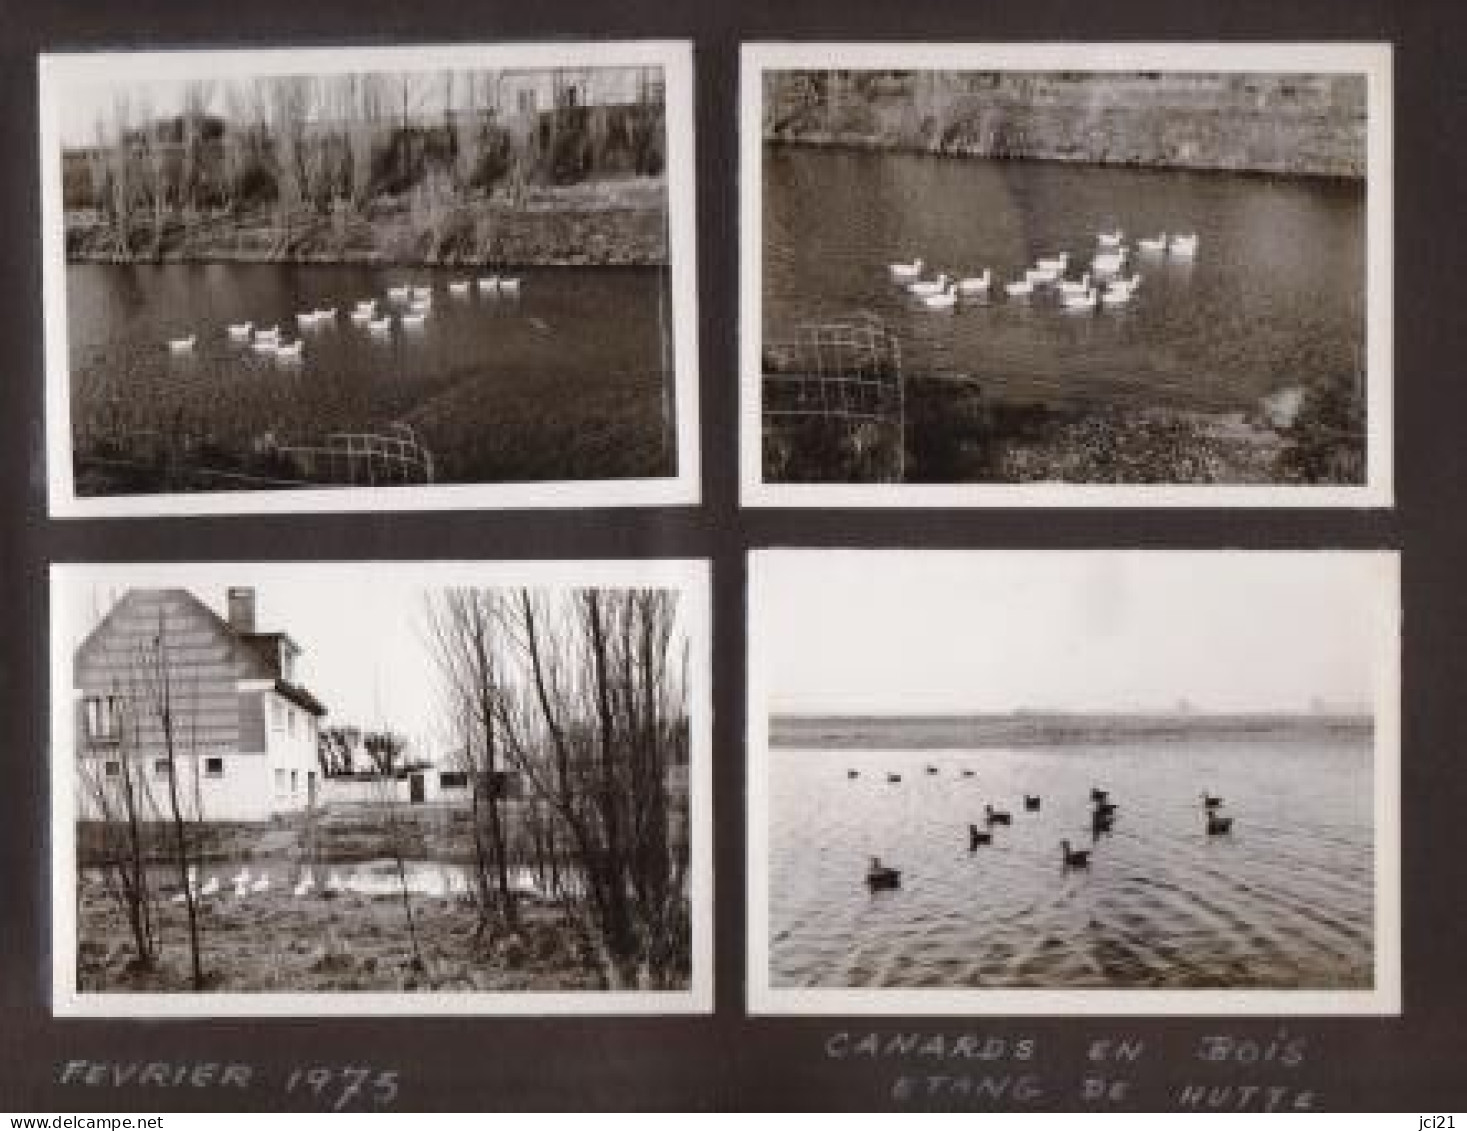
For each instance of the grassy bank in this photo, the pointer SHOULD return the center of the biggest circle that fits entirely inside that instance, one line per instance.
(606, 223)
(345, 834)
(325, 942)
(1297, 125)
(954, 433)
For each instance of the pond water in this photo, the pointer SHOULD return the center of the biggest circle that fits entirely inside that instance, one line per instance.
(1285, 900)
(380, 877)
(1274, 298)
(568, 378)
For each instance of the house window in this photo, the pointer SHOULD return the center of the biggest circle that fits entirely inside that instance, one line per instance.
(294, 781)
(277, 723)
(112, 769)
(162, 767)
(103, 713)
(527, 102)
(280, 780)
(290, 721)
(214, 767)
(453, 779)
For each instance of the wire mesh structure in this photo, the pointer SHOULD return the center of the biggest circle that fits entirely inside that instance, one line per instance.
(364, 459)
(834, 405)
(172, 461)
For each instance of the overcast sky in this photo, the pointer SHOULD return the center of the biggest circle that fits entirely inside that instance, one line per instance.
(361, 629)
(887, 633)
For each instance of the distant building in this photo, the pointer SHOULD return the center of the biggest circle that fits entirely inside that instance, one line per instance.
(244, 731)
(533, 92)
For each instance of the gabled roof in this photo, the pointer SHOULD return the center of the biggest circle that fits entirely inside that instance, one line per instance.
(258, 653)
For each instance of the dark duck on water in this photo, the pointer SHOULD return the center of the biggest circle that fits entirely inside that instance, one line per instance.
(1074, 857)
(879, 876)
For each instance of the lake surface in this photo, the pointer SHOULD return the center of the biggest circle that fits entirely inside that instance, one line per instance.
(1286, 900)
(1274, 298)
(569, 379)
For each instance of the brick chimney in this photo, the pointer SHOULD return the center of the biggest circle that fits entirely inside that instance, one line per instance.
(242, 609)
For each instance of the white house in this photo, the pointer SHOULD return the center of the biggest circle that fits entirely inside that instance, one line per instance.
(165, 686)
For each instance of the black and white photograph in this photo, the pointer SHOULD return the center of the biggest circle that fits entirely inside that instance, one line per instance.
(468, 787)
(1121, 782)
(1059, 274)
(343, 279)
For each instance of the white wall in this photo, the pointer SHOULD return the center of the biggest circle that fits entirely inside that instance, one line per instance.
(290, 743)
(356, 791)
(242, 792)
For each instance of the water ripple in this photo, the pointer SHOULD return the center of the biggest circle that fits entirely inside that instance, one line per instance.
(1286, 900)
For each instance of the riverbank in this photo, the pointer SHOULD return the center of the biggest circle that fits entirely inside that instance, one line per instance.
(607, 223)
(337, 835)
(327, 942)
(1295, 125)
(344, 834)
(954, 433)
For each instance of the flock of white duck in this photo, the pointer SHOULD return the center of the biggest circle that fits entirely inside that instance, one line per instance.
(444, 885)
(407, 306)
(1105, 283)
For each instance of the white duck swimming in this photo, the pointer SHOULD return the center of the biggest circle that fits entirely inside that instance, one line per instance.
(926, 287)
(976, 284)
(942, 300)
(1073, 287)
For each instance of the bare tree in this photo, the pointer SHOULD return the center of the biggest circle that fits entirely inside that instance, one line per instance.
(160, 698)
(385, 749)
(193, 176)
(385, 789)
(154, 162)
(463, 626)
(115, 795)
(122, 175)
(289, 102)
(334, 748)
(467, 126)
(597, 729)
(522, 131)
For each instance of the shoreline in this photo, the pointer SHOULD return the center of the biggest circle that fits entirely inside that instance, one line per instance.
(1270, 123)
(351, 259)
(957, 432)
(876, 145)
(610, 224)
(270, 942)
(983, 731)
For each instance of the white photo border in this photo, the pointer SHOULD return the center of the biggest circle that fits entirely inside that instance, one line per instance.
(56, 70)
(690, 578)
(1370, 59)
(1382, 999)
